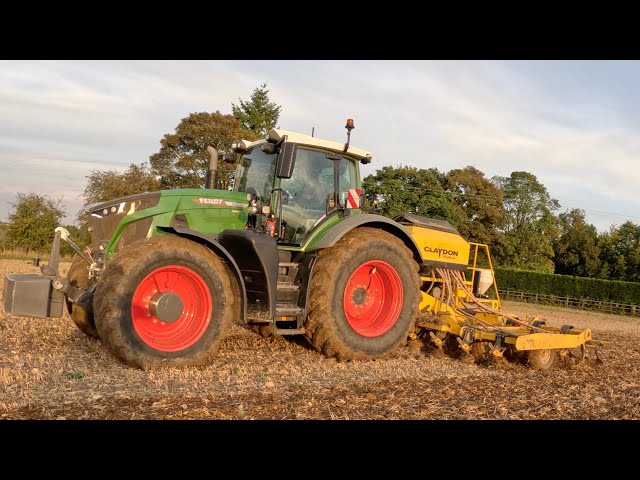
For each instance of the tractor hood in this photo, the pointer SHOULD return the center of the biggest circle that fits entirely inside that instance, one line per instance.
(121, 221)
(133, 203)
(140, 200)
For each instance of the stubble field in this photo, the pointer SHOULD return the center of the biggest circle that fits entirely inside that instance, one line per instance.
(50, 370)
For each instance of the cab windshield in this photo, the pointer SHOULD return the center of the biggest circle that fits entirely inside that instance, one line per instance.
(256, 174)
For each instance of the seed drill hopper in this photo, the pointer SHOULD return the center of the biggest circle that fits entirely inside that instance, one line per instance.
(457, 314)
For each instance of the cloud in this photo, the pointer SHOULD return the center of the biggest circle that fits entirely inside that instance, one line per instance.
(572, 124)
(60, 120)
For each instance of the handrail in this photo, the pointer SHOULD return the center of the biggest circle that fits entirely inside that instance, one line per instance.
(474, 268)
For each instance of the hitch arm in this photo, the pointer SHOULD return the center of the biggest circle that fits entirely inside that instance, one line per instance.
(64, 234)
(51, 268)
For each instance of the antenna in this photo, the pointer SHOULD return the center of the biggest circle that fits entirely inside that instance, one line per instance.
(313, 129)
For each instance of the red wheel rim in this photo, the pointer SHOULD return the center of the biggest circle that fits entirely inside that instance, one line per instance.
(189, 326)
(373, 298)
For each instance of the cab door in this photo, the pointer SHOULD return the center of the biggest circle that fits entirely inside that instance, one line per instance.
(317, 189)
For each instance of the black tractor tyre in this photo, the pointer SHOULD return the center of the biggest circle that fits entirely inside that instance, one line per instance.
(82, 316)
(541, 359)
(341, 272)
(191, 290)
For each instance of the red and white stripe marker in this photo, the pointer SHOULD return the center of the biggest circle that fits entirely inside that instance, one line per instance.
(353, 198)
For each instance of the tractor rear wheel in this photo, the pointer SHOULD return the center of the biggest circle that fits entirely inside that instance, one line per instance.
(541, 359)
(164, 301)
(82, 316)
(364, 296)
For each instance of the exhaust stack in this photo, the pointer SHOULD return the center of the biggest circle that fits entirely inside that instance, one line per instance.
(211, 181)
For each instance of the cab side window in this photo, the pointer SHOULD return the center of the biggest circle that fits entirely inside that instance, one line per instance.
(346, 179)
(306, 193)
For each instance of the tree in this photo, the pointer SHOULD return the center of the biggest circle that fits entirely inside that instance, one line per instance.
(32, 222)
(104, 185)
(409, 189)
(258, 114)
(183, 160)
(530, 225)
(480, 204)
(620, 252)
(576, 250)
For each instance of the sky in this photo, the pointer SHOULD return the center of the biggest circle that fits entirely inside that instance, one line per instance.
(575, 125)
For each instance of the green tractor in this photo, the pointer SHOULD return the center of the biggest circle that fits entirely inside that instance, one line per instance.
(289, 250)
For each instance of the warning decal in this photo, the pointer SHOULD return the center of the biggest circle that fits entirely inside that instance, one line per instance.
(353, 199)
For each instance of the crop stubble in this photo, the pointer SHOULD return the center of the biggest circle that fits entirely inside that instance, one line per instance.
(50, 370)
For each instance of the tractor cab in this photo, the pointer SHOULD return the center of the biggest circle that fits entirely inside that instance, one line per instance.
(295, 182)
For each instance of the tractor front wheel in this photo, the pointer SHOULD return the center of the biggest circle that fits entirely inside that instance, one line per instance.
(82, 316)
(364, 296)
(164, 301)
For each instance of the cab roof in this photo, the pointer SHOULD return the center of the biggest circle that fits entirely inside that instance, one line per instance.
(308, 140)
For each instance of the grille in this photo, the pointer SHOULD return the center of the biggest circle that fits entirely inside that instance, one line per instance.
(105, 218)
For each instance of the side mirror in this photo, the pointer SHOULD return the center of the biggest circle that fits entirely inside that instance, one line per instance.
(286, 160)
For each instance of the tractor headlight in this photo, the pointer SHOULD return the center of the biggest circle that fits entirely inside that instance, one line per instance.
(253, 209)
(266, 210)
